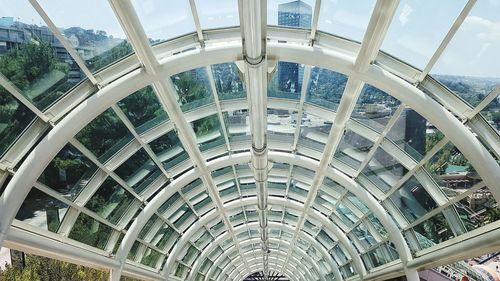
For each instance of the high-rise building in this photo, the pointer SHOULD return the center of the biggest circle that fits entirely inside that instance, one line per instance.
(293, 14)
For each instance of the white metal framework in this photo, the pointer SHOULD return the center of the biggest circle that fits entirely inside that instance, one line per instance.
(250, 197)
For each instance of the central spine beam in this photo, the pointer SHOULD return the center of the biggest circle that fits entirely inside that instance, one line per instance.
(253, 23)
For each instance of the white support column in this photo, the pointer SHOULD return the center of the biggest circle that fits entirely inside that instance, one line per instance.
(253, 14)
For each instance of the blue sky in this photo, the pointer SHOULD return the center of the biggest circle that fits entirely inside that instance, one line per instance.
(415, 33)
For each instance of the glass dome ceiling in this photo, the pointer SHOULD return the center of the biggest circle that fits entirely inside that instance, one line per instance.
(137, 136)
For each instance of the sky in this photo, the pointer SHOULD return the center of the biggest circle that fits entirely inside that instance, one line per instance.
(415, 33)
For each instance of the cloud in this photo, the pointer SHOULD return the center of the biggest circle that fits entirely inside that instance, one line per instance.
(484, 29)
(405, 14)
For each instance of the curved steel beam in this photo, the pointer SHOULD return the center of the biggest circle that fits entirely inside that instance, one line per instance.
(41, 155)
(246, 202)
(255, 241)
(259, 263)
(314, 243)
(219, 259)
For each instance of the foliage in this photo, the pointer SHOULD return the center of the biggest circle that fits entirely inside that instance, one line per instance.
(90, 232)
(45, 269)
(103, 133)
(189, 87)
(142, 106)
(117, 52)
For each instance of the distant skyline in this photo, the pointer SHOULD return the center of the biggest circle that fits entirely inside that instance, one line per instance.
(414, 35)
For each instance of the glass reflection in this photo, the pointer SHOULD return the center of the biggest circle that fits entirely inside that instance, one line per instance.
(228, 81)
(208, 132)
(384, 170)
(287, 81)
(353, 149)
(325, 88)
(169, 150)
(138, 171)
(192, 88)
(143, 109)
(92, 29)
(113, 135)
(69, 172)
(32, 58)
(41, 210)
(90, 232)
(111, 201)
(374, 108)
(413, 200)
(14, 119)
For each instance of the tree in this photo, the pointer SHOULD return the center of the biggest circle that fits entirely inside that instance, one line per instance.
(45, 269)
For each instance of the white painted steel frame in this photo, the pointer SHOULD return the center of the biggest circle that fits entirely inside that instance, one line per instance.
(253, 19)
(375, 76)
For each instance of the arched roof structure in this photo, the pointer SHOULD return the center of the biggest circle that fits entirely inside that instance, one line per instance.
(186, 169)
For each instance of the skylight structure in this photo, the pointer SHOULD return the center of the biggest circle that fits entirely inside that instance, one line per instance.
(225, 140)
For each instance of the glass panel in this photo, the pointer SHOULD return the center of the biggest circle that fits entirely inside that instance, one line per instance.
(150, 258)
(169, 150)
(364, 236)
(411, 132)
(147, 227)
(377, 225)
(162, 237)
(290, 13)
(433, 231)
(478, 209)
(169, 203)
(325, 88)
(111, 201)
(469, 65)
(14, 119)
(451, 170)
(41, 210)
(143, 109)
(92, 29)
(113, 135)
(357, 202)
(138, 169)
(374, 108)
(281, 125)
(492, 114)
(163, 20)
(238, 125)
(90, 232)
(346, 215)
(353, 149)
(216, 14)
(192, 88)
(384, 170)
(287, 81)
(68, 173)
(228, 83)
(413, 200)
(32, 58)
(377, 257)
(208, 132)
(314, 132)
(345, 18)
(408, 37)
